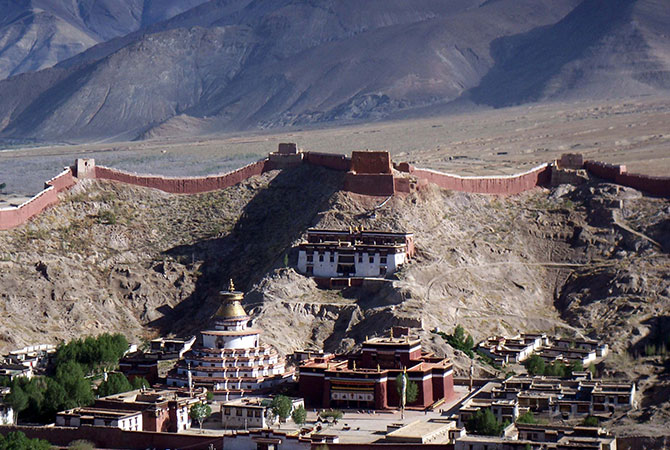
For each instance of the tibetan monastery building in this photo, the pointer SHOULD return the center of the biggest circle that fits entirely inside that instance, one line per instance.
(368, 380)
(353, 253)
(229, 358)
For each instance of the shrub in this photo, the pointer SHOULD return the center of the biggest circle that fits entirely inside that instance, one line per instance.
(590, 421)
(484, 422)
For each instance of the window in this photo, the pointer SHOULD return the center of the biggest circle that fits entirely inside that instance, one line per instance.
(372, 259)
(320, 257)
(238, 412)
(310, 258)
(360, 258)
(332, 257)
(226, 411)
(382, 260)
(382, 270)
(310, 270)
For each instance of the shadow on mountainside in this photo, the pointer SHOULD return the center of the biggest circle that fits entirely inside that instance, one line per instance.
(275, 218)
(526, 63)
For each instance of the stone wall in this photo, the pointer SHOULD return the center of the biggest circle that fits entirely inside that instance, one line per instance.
(370, 184)
(14, 216)
(183, 185)
(618, 174)
(370, 162)
(328, 160)
(506, 185)
(109, 437)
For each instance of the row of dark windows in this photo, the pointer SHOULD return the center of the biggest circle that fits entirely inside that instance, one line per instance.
(346, 258)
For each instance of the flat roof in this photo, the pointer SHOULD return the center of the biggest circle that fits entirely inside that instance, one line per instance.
(420, 431)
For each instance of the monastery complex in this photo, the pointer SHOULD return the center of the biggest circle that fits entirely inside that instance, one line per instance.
(229, 359)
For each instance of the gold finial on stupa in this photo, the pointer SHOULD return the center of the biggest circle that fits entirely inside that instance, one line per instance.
(231, 286)
(350, 230)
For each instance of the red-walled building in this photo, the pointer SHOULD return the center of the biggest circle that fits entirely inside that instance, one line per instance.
(368, 380)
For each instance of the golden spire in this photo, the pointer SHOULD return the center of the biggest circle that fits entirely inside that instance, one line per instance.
(231, 286)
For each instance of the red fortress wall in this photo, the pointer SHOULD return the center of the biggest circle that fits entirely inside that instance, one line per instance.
(619, 174)
(15, 216)
(368, 173)
(507, 185)
(183, 185)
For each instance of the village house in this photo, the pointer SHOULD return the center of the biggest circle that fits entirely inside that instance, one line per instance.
(251, 412)
(264, 439)
(550, 437)
(367, 380)
(6, 411)
(33, 356)
(145, 364)
(514, 350)
(229, 358)
(354, 253)
(12, 371)
(164, 410)
(555, 397)
(125, 420)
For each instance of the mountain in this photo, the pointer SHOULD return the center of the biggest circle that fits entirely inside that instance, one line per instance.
(238, 64)
(35, 34)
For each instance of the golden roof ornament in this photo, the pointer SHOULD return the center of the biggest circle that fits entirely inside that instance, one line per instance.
(231, 286)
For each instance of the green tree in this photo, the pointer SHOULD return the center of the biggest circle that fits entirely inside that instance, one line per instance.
(299, 415)
(590, 421)
(411, 389)
(17, 399)
(199, 412)
(81, 444)
(142, 383)
(71, 376)
(116, 382)
(484, 422)
(281, 407)
(210, 396)
(556, 369)
(534, 365)
(576, 366)
(336, 414)
(16, 440)
(460, 341)
(55, 398)
(527, 417)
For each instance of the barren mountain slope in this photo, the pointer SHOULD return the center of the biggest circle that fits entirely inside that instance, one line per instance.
(298, 62)
(35, 34)
(601, 49)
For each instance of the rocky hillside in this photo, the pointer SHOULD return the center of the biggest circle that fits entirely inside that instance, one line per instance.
(36, 34)
(589, 261)
(237, 64)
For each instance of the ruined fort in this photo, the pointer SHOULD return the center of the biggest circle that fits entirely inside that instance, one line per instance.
(371, 173)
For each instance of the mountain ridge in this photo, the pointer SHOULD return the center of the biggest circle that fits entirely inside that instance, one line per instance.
(230, 65)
